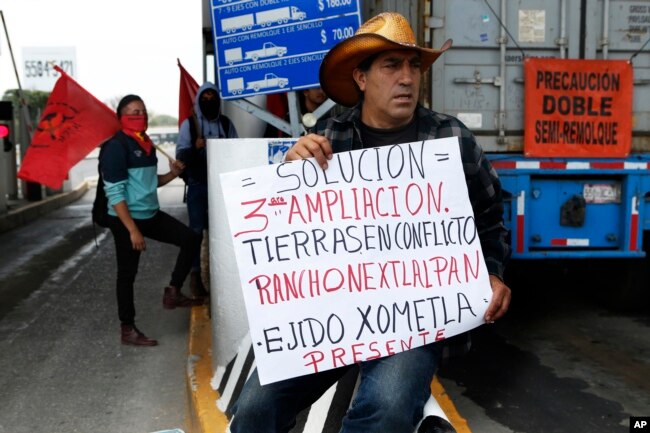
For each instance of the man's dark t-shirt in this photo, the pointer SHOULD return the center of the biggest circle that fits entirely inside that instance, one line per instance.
(373, 137)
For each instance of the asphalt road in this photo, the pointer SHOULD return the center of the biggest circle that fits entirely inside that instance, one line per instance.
(62, 367)
(562, 361)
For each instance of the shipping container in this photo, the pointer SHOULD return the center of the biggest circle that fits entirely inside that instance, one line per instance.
(566, 204)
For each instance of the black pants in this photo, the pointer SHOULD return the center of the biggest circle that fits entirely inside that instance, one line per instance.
(164, 228)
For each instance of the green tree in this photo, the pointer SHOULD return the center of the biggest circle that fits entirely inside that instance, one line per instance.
(163, 120)
(34, 99)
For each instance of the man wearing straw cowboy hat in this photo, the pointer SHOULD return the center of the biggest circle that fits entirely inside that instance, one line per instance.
(377, 73)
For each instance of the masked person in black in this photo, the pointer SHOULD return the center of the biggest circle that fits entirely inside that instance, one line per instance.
(206, 122)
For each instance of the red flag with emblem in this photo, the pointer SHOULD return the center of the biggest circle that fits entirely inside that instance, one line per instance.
(186, 95)
(73, 123)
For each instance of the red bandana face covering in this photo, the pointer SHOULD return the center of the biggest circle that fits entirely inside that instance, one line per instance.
(135, 126)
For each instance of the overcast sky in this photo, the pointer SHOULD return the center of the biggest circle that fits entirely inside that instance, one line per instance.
(122, 46)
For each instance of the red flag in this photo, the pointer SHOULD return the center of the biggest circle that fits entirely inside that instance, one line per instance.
(278, 104)
(187, 94)
(73, 123)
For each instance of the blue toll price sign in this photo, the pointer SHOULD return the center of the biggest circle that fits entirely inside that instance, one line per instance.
(272, 46)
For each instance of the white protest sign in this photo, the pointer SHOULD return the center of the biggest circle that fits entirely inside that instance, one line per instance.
(374, 256)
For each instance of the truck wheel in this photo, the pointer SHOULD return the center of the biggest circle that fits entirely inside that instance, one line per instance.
(255, 57)
(630, 288)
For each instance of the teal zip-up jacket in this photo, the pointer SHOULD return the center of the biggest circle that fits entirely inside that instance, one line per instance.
(130, 175)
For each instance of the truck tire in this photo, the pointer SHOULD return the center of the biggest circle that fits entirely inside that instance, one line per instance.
(622, 289)
(627, 286)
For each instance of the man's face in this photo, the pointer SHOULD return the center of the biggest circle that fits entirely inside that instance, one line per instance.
(315, 96)
(208, 95)
(134, 108)
(209, 104)
(391, 87)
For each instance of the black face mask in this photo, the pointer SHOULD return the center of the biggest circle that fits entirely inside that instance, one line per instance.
(209, 108)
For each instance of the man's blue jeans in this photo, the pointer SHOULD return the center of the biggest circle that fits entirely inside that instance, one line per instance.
(197, 212)
(390, 399)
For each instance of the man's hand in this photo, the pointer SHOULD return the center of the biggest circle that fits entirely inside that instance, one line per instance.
(200, 143)
(176, 167)
(500, 299)
(137, 240)
(311, 145)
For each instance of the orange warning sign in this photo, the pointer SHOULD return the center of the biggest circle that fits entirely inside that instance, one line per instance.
(578, 108)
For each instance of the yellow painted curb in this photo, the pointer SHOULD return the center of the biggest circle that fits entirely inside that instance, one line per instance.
(459, 423)
(206, 416)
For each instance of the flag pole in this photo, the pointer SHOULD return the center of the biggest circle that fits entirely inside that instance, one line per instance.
(193, 115)
(164, 153)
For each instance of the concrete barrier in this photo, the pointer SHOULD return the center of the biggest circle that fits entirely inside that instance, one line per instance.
(25, 211)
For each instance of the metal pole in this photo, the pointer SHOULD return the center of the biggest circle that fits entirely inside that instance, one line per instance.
(323, 108)
(262, 114)
(503, 42)
(563, 39)
(605, 39)
(294, 121)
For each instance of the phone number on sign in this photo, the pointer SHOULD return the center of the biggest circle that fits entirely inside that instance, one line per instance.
(45, 68)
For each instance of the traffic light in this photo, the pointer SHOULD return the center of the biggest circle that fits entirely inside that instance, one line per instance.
(6, 120)
(4, 134)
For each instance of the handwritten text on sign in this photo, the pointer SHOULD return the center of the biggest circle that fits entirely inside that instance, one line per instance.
(376, 255)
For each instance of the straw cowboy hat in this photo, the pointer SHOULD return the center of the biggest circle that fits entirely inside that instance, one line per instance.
(386, 31)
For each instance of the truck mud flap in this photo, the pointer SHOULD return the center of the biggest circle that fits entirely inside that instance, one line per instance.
(573, 211)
